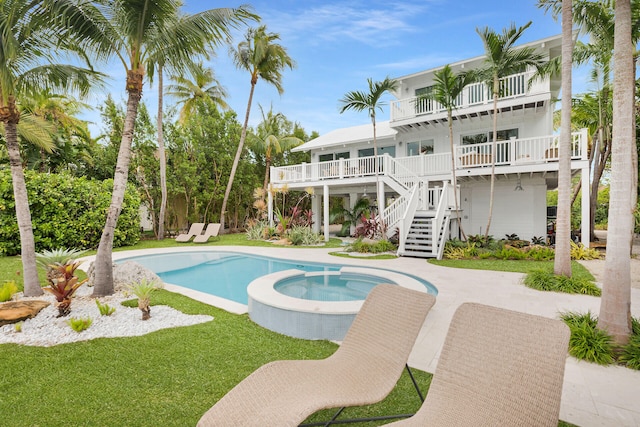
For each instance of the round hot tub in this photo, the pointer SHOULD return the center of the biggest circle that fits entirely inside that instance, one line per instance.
(318, 305)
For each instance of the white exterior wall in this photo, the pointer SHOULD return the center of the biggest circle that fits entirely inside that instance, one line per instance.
(520, 212)
(529, 126)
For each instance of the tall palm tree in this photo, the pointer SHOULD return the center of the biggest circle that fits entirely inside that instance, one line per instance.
(371, 102)
(27, 65)
(203, 84)
(262, 57)
(562, 260)
(139, 29)
(268, 139)
(615, 304)
(502, 58)
(446, 89)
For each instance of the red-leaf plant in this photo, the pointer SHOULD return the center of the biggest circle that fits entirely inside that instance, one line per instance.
(64, 284)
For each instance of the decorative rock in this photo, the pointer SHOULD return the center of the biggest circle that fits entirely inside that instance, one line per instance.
(125, 274)
(16, 311)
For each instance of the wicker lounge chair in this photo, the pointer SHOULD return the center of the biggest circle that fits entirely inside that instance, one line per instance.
(497, 368)
(211, 231)
(362, 371)
(195, 229)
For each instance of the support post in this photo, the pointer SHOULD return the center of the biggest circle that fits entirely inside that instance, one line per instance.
(586, 208)
(325, 214)
(315, 208)
(270, 205)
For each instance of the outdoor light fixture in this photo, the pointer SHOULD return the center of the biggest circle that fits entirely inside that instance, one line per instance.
(518, 186)
(364, 194)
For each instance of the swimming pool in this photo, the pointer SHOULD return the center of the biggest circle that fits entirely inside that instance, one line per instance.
(226, 274)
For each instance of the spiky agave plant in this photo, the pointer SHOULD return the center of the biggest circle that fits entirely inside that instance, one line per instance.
(63, 284)
(143, 290)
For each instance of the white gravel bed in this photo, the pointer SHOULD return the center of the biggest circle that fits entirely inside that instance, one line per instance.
(47, 330)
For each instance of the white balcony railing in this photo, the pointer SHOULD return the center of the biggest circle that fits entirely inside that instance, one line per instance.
(511, 86)
(515, 152)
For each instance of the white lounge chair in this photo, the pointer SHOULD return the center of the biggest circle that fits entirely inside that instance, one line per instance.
(212, 231)
(362, 371)
(497, 368)
(195, 229)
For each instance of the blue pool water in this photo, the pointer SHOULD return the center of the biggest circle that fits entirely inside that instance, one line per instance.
(329, 287)
(225, 274)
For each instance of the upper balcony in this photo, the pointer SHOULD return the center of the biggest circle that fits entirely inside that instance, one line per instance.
(474, 99)
(525, 155)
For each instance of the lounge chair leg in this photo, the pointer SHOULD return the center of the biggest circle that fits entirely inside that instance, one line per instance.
(415, 384)
(360, 420)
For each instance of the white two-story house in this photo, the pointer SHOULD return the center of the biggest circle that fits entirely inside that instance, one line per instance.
(411, 180)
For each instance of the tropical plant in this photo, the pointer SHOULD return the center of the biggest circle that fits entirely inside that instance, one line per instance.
(143, 290)
(630, 355)
(581, 252)
(29, 64)
(7, 290)
(547, 281)
(349, 217)
(203, 84)
(302, 235)
(63, 284)
(587, 342)
(371, 247)
(446, 89)
(371, 102)
(262, 57)
(47, 260)
(615, 305)
(255, 230)
(267, 139)
(502, 59)
(136, 33)
(80, 324)
(105, 309)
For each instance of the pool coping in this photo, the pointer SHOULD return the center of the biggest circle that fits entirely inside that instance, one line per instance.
(263, 291)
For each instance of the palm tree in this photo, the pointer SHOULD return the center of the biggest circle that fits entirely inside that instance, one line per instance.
(615, 304)
(203, 84)
(138, 31)
(371, 102)
(446, 89)
(28, 65)
(502, 59)
(262, 57)
(267, 139)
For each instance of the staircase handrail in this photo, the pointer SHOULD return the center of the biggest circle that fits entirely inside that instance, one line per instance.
(440, 212)
(394, 212)
(404, 224)
(441, 240)
(407, 178)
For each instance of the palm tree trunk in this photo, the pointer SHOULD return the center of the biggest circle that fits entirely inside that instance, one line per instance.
(163, 159)
(615, 304)
(103, 284)
(236, 160)
(267, 163)
(494, 145)
(23, 215)
(562, 261)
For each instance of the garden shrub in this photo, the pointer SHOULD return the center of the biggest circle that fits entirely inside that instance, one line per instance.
(587, 342)
(372, 247)
(301, 235)
(547, 281)
(7, 290)
(581, 252)
(256, 230)
(540, 253)
(66, 211)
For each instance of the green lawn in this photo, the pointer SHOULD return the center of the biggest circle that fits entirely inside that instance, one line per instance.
(166, 378)
(526, 266)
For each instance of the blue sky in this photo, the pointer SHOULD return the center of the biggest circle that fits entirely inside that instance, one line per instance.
(337, 45)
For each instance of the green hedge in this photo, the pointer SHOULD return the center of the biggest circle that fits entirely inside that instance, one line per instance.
(66, 212)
